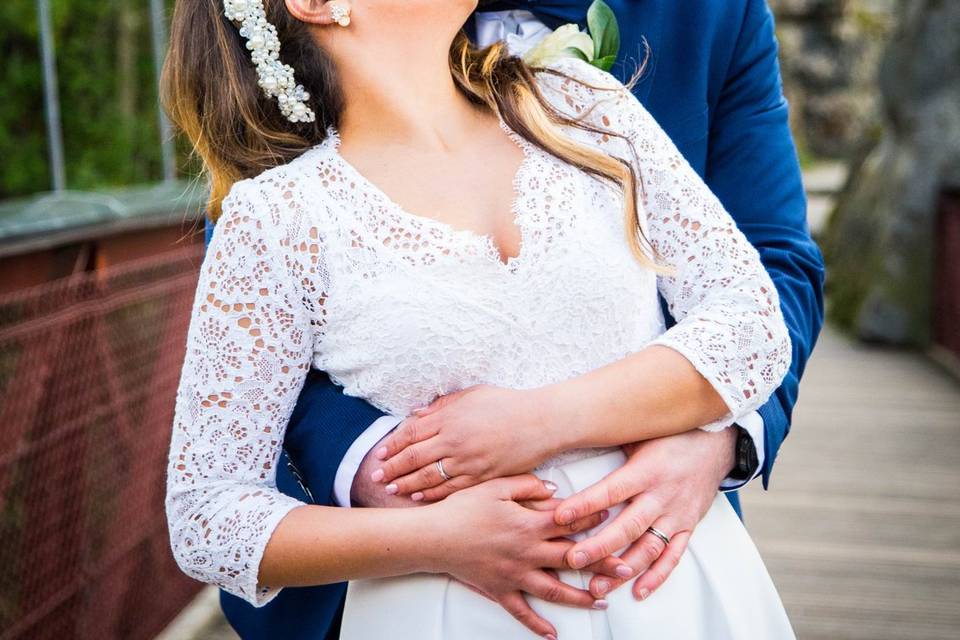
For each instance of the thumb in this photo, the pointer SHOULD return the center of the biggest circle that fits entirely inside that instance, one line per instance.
(438, 403)
(617, 487)
(524, 488)
(549, 504)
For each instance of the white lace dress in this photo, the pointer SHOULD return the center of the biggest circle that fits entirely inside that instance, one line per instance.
(312, 266)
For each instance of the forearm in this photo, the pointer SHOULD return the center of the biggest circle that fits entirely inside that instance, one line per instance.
(320, 545)
(730, 346)
(650, 394)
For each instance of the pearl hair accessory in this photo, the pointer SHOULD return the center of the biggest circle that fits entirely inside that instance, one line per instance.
(275, 78)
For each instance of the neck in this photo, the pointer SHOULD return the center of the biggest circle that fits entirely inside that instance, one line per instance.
(400, 90)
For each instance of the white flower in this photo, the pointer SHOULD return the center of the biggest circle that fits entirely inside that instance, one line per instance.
(555, 46)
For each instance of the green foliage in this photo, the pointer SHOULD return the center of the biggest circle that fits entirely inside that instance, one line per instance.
(108, 95)
(108, 92)
(605, 31)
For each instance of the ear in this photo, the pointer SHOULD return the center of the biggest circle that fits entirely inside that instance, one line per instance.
(312, 11)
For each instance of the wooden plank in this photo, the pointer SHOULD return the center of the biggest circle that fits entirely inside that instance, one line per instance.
(861, 530)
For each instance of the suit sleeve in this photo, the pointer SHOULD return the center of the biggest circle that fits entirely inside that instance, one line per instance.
(324, 425)
(752, 167)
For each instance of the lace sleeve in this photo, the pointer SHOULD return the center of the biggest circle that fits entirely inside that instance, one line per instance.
(729, 322)
(248, 352)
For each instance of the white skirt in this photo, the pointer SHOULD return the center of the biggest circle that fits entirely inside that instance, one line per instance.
(720, 590)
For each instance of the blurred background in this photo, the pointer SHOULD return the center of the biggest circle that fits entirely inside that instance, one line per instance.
(100, 242)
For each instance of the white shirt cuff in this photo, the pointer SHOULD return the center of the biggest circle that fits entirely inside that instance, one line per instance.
(752, 423)
(350, 465)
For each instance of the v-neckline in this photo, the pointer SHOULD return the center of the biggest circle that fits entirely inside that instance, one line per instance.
(492, 250)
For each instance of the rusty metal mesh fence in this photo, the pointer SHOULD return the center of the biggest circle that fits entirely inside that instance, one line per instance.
(88, 373)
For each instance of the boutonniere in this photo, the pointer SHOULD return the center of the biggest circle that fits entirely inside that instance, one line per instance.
(599, 45)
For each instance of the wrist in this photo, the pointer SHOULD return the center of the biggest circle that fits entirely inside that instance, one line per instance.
(726, 442)
(434, 538)
(556, 419)
(364, 492)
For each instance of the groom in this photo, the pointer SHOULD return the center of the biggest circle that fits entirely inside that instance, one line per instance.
(713, 83)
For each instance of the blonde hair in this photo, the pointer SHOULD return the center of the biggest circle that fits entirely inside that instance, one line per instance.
(209, 88)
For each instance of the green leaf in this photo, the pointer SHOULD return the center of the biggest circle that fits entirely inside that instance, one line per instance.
(604, 30)
(577, 53)
(606, 63)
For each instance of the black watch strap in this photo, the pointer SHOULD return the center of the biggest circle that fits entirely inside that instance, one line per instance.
(746, 461)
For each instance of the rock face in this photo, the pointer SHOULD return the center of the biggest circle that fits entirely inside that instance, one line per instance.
(880, 241)
(830, 51)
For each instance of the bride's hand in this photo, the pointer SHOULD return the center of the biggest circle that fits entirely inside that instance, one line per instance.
(500, 539)
(477, 434)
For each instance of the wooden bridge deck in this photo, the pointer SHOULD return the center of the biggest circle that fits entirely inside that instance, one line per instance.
(861, 528)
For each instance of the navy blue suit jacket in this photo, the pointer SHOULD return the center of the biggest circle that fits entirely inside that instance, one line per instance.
(713, 83)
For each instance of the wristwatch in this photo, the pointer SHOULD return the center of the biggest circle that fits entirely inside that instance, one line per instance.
(746, 461)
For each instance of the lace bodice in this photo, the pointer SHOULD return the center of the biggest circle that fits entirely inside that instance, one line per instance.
(312, 266)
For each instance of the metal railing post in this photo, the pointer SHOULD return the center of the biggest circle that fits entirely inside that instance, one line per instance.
(158, 29)
(51, 96)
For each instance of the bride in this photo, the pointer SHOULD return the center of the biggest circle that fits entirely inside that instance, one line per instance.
(422, 219)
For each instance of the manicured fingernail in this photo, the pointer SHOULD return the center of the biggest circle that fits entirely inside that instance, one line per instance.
(417, 497)
(377, 475)
(550, 636)
(601, 605)
(580, 559)
(552, 488)
(567, 516)
(602, 587)
(643, 594)
(392, 489)
(381, 453)
(623, 571)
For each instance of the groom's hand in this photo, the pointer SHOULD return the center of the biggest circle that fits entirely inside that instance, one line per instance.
(668, 484)
(367, 493)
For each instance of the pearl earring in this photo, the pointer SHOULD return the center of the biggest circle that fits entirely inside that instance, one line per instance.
(340, 14)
